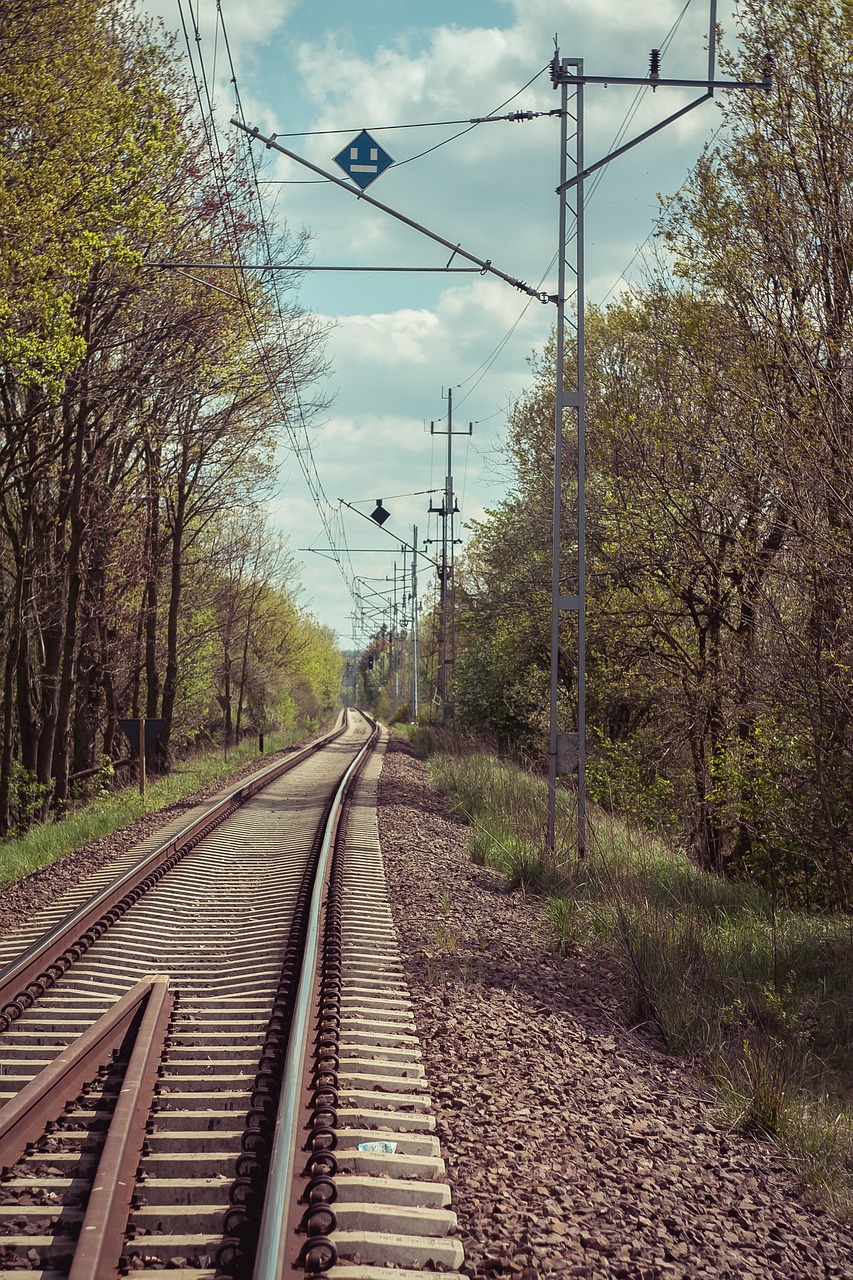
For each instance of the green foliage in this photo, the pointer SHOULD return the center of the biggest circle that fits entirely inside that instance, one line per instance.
(27, 797)
(423, 739)
(756, 1085)
(137, 408)
(624, 776)
(564, 923)
(720, 623)
(83, 117)
(199, 656)
(497, 692)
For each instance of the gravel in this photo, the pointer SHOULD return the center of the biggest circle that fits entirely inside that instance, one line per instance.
(574, 1147)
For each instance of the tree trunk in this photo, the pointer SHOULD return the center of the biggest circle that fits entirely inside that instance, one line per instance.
(77, 526)
(227, 725)
(170, 681)
(244, 666)
(152, 558)
(9, 673)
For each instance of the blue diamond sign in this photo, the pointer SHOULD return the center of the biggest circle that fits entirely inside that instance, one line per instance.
(363, 159)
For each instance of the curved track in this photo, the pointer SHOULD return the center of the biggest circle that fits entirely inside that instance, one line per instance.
(226, 924)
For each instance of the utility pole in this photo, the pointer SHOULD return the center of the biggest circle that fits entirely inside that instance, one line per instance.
(393, 635)
(395, 628)
(415, 655)
(447, 510)
(567, 750)
(404, 628)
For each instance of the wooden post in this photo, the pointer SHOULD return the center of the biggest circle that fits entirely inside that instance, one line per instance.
(142, 755)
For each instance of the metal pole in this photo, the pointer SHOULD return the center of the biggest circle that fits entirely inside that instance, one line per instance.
(581, 384)
(142, 755)
(446, 570)
(403, 623)
(395, 670)
(558, 471)
(442, 669)
(561, 757)
(447, 555)
(415, 678)
(444, 511)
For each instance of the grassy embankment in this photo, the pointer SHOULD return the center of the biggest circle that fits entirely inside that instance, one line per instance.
(104, 814)
(762, 997)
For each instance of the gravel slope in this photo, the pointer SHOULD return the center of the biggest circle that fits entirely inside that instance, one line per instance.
(574, 1147)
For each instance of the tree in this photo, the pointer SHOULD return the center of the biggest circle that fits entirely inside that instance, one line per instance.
(135, 405)
(768, 223)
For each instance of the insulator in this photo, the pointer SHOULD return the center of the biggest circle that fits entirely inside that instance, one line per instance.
(654, 64)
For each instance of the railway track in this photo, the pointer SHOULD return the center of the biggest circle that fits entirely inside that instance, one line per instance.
(208, 1065)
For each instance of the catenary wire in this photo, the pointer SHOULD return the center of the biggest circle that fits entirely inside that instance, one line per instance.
(462, 132)
(623, 128)
(304, 451)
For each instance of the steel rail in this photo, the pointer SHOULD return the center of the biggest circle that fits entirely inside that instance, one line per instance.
(101, 1240)
(43, 963)
(23, 1119)
(270, 1260)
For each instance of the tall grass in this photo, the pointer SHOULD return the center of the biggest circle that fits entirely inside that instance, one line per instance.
(42, 845)
(761, 996)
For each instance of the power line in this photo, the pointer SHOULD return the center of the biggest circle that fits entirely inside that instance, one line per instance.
(491, 118)
(475, 123)
(635, 104)
(620, 133)
(304, 451)
(653, 231)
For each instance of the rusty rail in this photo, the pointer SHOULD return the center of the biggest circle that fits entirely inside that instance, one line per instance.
(146, 1008)
(101, 1239)
(24, 1119)
(44, 963)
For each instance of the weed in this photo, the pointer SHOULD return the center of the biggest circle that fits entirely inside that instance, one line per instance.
(756, 1082)
(820, 1136)
(422, 738)
(527, 869)
(562, 916)
(27, 796)
(481, 845)
(447, 938)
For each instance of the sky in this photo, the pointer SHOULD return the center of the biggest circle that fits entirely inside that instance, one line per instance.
(397, 341)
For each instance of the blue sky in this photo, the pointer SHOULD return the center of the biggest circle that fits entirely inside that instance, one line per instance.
(396, 342)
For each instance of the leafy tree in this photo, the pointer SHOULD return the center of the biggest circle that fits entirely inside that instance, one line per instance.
(768, 224)
(135, 405)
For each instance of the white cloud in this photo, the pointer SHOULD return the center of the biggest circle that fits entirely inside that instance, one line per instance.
(399, 340)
